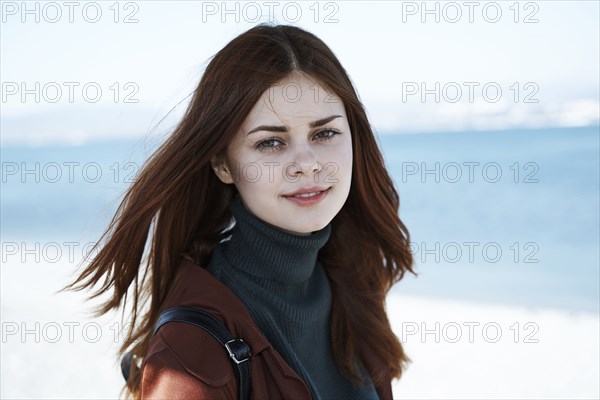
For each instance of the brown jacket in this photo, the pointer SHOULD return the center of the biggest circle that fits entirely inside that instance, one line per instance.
(185, 362)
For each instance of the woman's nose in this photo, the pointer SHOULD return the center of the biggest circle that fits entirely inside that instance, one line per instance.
(306, 162)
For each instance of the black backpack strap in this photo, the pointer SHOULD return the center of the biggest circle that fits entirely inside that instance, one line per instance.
(238, 350)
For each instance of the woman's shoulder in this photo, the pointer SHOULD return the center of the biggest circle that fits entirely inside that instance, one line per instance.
(174, 369)
(184, 360)
(180, 348)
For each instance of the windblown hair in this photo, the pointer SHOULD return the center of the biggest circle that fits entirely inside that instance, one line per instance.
(179, 197)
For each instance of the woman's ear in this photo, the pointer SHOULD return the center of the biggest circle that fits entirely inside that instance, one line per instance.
(221, 170)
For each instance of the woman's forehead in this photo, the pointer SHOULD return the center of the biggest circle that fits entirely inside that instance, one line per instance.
(294, 102)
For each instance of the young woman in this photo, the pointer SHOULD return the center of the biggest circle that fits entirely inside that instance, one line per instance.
(270, 208)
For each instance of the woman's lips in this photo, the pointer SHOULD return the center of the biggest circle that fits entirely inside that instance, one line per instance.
(308, 201)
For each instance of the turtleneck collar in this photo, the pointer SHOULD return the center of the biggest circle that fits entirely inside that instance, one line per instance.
(268, 252)
(287, 292)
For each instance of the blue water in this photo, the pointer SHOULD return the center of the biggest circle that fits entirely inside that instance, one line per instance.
(541, 213)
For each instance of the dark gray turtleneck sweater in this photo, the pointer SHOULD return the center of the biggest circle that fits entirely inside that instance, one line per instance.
(287, 292)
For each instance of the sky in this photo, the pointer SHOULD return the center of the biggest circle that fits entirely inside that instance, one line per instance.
(73, 72)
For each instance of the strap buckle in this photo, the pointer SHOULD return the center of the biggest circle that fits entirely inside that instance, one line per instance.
(238, 350)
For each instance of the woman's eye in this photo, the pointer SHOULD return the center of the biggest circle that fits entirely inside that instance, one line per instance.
(332, 132)
(264, 145)
(267, 145)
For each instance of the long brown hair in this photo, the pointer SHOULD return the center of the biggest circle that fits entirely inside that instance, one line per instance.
(179, 197)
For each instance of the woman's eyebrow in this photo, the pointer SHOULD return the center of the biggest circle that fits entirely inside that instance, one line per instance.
(273, 128)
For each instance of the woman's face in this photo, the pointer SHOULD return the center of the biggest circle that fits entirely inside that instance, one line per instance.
(279, 150)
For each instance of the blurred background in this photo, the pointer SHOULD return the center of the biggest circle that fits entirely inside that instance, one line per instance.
(487, 114)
